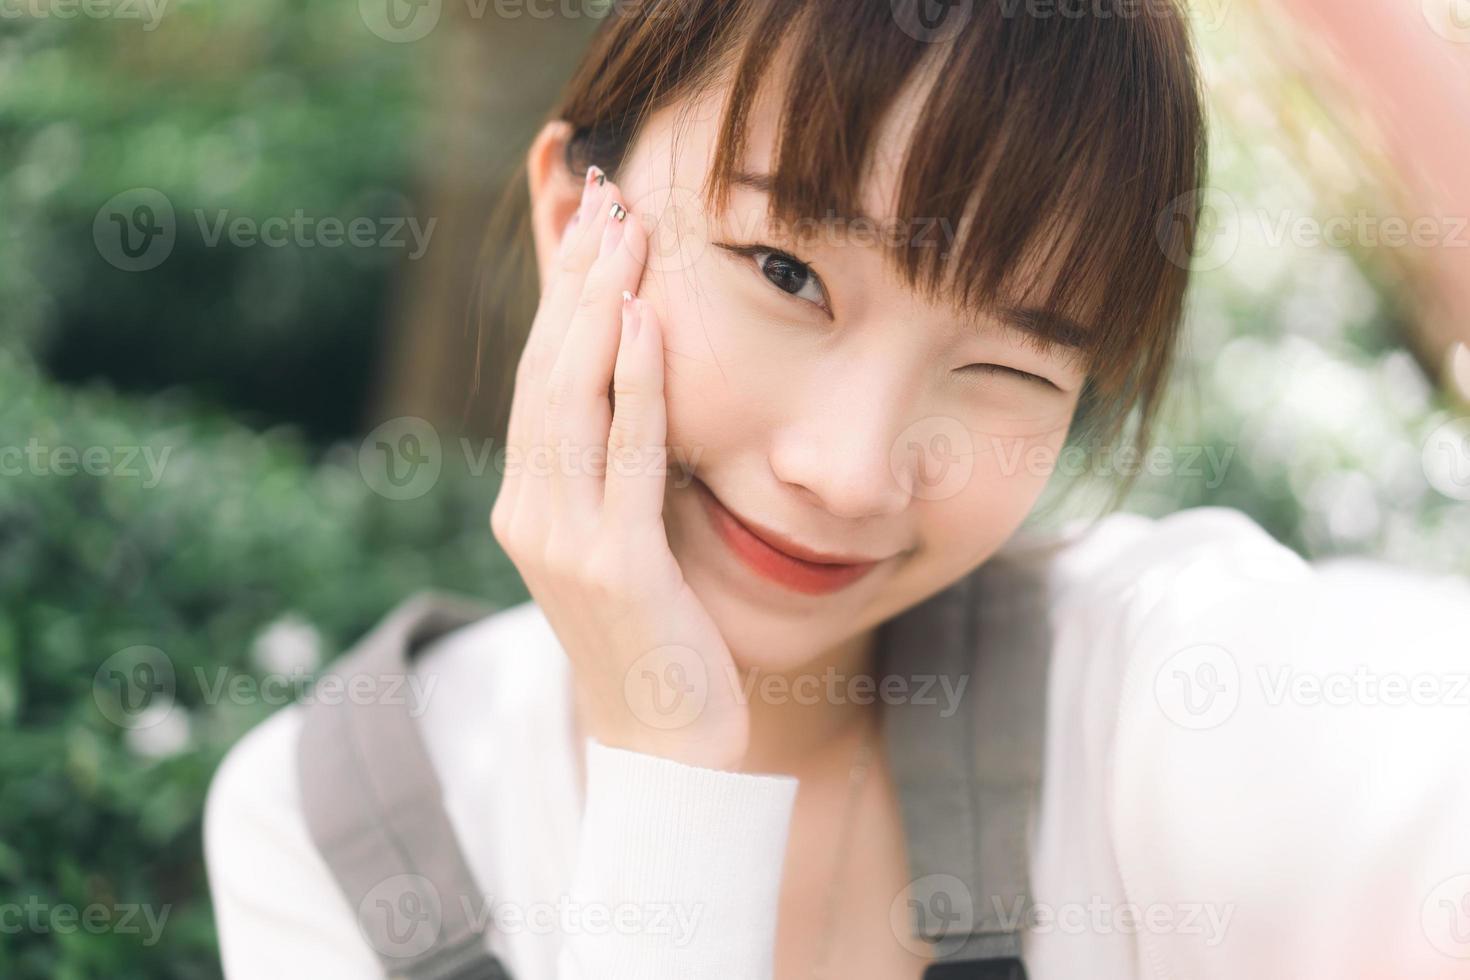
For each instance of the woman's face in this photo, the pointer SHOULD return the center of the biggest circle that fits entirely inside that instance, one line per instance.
(826, 404)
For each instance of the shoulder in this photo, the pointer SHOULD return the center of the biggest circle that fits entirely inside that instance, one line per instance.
(266, 876)
(466, 673)
(1133, 556)
(1287, 747)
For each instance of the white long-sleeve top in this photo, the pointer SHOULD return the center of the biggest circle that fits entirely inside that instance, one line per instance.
(1255, 767)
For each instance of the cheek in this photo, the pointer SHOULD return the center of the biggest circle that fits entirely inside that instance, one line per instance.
(980, 511)
(725, 384)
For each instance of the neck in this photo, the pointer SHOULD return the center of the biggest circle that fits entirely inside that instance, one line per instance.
(800, 719)
(804, 720)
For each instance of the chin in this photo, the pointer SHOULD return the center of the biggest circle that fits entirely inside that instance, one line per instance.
(760, 637)
(769, 626)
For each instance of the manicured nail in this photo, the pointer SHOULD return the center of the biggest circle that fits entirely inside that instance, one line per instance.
(596, 176)
(612, 233)
(591, 194)
(631, 310)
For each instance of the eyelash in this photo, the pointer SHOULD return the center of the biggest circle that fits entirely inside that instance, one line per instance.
(1002, 368)
(751, 251)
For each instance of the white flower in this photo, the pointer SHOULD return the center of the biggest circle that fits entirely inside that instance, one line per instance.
(290, 646)
(161, 730)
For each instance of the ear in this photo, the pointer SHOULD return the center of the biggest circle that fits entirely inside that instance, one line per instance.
(555, 191)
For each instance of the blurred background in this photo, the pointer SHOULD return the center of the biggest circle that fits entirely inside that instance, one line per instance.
(240, 244)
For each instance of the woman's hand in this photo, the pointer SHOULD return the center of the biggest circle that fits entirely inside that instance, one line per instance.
(580, 509)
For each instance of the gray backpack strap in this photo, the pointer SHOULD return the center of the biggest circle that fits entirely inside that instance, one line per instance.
(374, 806)
(969, 778)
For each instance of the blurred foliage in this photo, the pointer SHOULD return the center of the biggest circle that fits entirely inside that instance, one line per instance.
(262, 548)
(252, 110)
(261, 528)
(236, 556)
(1294, 366)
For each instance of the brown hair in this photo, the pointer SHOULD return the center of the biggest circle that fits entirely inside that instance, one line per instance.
(1072, 137)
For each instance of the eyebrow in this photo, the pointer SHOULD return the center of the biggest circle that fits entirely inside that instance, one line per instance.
(762, 183)
(1053, 329)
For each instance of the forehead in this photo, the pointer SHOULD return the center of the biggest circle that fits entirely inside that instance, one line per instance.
(880, 172)
(685, 141)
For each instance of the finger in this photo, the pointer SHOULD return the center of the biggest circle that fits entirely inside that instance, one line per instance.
(637, 453)
(525, 435)
(584, 369)
(565, 279)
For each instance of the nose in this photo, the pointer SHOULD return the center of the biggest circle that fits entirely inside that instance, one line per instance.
(839, 450)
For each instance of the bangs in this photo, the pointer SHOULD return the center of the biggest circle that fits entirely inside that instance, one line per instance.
(1053, 168)
(1040, 172)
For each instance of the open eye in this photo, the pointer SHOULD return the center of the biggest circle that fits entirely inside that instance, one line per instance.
(1002, 370)
(786, 272)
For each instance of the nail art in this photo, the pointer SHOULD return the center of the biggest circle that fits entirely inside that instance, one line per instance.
(612, 232)
(596, 176)
(618, 212)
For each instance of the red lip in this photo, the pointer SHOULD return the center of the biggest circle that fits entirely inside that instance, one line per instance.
(773, 560)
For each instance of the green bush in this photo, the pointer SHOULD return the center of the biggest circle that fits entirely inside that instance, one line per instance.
(226, 532)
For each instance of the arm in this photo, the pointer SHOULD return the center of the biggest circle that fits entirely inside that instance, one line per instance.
(701, 848)
(1290, 779)
(677, 875)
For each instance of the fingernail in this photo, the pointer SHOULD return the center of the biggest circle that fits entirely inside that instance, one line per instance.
(613, 232)
(566, 234)
(595, 175)
(631, 319)
(591, 190)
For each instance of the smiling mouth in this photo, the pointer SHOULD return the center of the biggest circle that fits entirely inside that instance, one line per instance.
(780, 561)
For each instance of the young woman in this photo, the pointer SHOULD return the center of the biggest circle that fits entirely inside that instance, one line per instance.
(827, 287)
